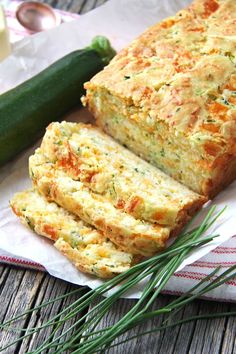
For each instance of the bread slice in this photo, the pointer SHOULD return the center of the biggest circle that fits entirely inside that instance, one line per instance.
(130, 234)
(130, 184)
(87, 248)
(170, 96)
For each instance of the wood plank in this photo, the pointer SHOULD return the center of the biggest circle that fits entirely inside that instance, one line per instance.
(71, 6)
(52, 289)
(205, 336)
(208, 334)
(144, 344)
(100, 2)
(88, 5)
(75, 6)
(2, 270)
(52, 3)
(229, 339)
(3, 276)
(17, 295)
(185, 332)
(23, 290)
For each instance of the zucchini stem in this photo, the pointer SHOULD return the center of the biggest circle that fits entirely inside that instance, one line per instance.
(103, 47)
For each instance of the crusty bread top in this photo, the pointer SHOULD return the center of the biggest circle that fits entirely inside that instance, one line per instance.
(182, 71)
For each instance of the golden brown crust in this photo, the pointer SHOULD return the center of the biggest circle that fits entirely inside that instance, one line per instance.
(223, 176)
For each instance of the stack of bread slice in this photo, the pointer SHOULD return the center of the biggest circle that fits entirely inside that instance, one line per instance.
(104, 207)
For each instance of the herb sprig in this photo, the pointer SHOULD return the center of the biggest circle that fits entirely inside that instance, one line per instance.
(156, 271)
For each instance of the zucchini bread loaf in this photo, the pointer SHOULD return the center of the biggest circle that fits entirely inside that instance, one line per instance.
(170, 96)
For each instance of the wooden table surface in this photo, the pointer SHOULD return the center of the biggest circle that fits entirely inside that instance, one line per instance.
(22, 289)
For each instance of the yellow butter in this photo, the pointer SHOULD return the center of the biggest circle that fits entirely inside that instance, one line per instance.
(5, 47)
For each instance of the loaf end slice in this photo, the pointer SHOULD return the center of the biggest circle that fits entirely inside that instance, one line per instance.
(87, 248)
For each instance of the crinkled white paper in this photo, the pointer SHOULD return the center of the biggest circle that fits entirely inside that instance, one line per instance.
(120, 21)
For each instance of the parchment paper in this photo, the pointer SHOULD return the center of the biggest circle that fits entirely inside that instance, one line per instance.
(120, 21)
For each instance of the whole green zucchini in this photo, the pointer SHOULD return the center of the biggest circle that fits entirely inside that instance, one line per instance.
(28, 108)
